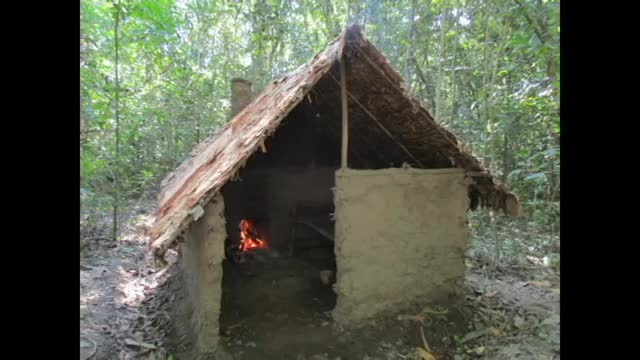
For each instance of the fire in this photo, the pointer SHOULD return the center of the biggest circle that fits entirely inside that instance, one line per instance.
(249, 237)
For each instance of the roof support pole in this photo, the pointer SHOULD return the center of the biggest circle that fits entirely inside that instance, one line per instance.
(345, 113)
(384, 129)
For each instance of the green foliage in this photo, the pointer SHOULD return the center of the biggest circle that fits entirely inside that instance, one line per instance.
(493, 72)
(518, 239)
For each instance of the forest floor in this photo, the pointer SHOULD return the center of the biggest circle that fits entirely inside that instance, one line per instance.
(512, 312)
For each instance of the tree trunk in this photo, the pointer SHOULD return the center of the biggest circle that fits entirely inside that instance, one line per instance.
(454, 90)
(412, 45)
(492, 116)
(332, 27)
(486, 110)
(428, 92)
(439, 80)
(257, 46)
(116, 184)
(506, 161)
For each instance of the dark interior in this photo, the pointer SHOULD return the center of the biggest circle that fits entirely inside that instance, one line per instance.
(287, 193)
(292, 180)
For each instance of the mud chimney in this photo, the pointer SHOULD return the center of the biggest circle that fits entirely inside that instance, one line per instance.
(241, 94)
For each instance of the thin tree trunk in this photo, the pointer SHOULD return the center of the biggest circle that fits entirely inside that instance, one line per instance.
(493, 122)
(197, 118)
(116, 184)
(454, 90)
(412, 45)
(172, 141)
(81, 136)
(506, 162)
(497, 238)
(440, 81)
(257, 49)
(540, 26)
(427, 80)
(275, 44)
(373, 7)
(332, 27)
(485, 82)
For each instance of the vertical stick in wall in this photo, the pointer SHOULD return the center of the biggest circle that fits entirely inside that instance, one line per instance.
(345, 119)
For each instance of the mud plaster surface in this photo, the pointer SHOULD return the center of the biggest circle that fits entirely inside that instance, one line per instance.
(400, 236)
(198, 311)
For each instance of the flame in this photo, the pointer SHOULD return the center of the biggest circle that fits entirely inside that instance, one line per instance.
(249, 237)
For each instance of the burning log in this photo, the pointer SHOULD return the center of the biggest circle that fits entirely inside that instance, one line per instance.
(249, 236)
(253, 245)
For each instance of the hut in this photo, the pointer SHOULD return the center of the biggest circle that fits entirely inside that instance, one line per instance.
(335, 159)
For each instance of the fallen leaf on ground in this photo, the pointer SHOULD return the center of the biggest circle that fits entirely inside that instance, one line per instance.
(545, 283)
(424, 340)
(495, 332)
(429, 310)
(552, 320)
(474, 335)
(425, 355)
(534, 260)
(419, 317)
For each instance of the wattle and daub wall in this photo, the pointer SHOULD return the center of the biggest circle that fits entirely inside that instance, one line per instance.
(197, 311)
(400, 237)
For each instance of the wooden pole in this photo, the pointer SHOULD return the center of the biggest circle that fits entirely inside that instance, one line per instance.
(384, 129)
(345, 114)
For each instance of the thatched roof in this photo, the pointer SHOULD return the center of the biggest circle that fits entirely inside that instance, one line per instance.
(389, 119)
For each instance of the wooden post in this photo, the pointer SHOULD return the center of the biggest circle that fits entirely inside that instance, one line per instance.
(345, 119)
(384, 129)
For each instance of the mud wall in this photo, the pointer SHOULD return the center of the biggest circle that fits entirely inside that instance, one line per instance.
(197, 309)
(400, 238)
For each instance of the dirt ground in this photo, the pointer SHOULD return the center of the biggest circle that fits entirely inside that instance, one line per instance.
(509, 314)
